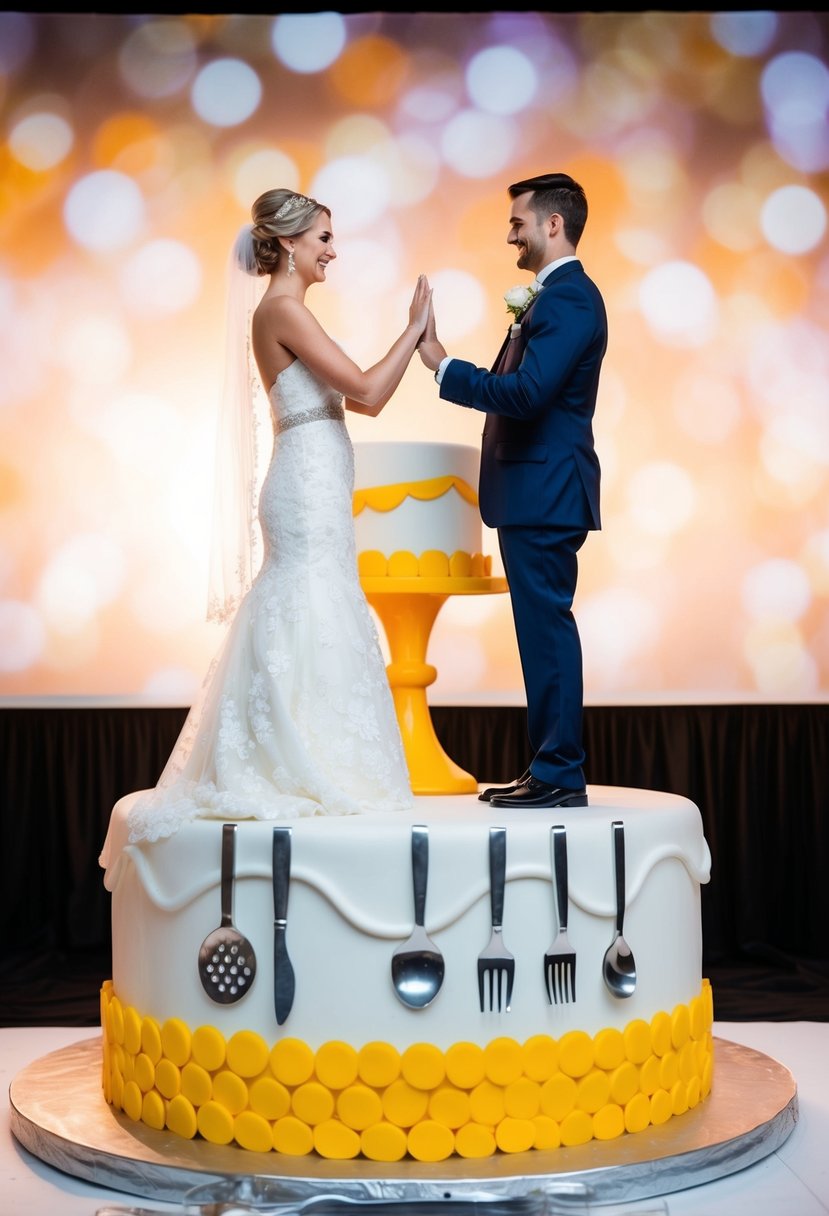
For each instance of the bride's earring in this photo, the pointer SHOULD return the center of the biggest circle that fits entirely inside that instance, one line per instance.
(291, 264)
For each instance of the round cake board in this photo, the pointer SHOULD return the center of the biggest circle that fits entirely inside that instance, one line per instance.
(58, 1113)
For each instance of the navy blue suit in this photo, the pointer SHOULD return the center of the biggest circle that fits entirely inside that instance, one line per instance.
(539, 486)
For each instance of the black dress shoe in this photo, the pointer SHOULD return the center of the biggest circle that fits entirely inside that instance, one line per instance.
(486, 795)
(536, 794)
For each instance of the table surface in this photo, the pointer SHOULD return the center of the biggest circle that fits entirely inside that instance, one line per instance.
(793, 1181)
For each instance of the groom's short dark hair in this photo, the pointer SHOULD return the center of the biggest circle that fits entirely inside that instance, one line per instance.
(560, 193)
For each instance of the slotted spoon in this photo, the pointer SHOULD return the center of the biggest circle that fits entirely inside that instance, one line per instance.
(227, 962)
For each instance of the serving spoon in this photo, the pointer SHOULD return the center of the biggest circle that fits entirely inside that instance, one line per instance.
(619, 967)
(417, 966)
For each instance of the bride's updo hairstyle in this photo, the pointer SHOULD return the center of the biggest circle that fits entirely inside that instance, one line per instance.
(275, 213)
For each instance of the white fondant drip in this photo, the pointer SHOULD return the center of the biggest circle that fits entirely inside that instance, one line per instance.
(358, 917)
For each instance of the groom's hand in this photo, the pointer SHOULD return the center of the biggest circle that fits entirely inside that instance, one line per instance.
(430, 348)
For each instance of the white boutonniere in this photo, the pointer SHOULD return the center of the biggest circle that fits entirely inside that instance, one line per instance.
(518, 300)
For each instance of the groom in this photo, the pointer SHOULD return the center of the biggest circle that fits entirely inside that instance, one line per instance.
(539, 479)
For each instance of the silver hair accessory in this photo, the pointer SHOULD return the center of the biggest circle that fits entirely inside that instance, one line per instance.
(294, 203)
(291, 263)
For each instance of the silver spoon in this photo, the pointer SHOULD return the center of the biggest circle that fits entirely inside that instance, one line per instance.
(619, 968)
(417, 966)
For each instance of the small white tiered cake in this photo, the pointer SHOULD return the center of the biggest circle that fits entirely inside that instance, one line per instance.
(416, 510)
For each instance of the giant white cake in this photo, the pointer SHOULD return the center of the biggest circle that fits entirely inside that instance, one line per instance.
(416, 510)
(353, 1071)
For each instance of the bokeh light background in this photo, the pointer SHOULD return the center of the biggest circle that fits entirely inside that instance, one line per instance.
(132, 147)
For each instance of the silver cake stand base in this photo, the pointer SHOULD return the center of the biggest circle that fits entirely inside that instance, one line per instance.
(59, 1114)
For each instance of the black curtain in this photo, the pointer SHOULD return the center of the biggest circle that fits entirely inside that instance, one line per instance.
(757, 773)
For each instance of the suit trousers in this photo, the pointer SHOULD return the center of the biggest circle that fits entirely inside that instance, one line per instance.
(541, 566)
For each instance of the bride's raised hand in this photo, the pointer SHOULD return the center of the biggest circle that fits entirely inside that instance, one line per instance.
(419, 307)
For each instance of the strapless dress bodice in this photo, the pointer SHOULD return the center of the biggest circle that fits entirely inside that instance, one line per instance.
(298, 396)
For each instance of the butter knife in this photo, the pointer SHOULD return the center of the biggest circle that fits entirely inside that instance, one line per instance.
(283, 971)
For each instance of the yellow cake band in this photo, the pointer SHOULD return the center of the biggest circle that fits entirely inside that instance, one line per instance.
(342, 1102)
(387, 498)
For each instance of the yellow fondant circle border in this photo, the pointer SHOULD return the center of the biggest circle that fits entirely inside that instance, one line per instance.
(432, 563)
(374, 1101)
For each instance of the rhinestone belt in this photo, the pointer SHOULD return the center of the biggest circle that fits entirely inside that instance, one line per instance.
(331, 409)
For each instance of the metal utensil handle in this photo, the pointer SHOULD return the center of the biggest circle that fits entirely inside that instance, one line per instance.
(420, 870)
(228, 859)
(281, 873)
(531, 1204)
(560, 864)
(497, 873)
(619, 859)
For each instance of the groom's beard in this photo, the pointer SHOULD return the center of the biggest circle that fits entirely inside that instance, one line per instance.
(531, 254)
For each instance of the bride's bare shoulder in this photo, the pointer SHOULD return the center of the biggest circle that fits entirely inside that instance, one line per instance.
(280, 310)
(274, 305)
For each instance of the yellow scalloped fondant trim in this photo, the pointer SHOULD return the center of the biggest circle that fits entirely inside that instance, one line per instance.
(383, 1104)
(386, 498)
(432, 563)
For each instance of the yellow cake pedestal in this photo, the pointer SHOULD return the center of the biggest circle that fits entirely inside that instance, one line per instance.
(408, 608)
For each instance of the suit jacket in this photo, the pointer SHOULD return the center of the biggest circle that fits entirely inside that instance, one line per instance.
(538, 461)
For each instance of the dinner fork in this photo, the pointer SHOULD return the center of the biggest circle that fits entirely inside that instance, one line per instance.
(495, 963)
(560, 959)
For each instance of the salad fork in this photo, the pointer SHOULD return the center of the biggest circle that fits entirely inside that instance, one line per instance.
(495, 963)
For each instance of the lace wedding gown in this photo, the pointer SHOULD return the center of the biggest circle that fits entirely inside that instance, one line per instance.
(296, 716)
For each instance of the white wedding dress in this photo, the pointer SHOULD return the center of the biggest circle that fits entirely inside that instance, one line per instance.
(296, 716)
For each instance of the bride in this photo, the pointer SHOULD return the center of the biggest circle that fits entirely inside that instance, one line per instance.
(295, 716)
